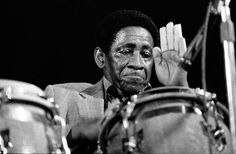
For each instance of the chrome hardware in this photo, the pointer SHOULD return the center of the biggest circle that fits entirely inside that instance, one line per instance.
(5, 141)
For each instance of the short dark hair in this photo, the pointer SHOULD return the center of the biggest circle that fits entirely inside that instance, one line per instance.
(112, 23)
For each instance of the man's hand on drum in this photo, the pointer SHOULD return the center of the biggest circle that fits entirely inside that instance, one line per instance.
(167, 58)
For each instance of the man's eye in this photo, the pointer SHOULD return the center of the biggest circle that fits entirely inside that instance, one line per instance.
(126, 51)
(147, 54)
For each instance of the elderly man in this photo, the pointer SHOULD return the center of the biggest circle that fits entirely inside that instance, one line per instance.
(126, 52)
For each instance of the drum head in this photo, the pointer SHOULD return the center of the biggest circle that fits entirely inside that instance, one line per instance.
(166, 97)
(166, 92)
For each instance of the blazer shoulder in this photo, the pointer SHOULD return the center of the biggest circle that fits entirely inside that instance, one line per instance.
(73, 86)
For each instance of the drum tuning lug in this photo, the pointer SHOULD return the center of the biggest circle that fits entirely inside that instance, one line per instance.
(129, 144)
(115, 109)
(51, 100)
(5, 141)
(55, 110)
(213, 96)
(197, 110)
(64, 145)
(8, 92)
(207, 95)
(129, 109)
(220, 140)
(216, 136)
(5, 95)
(134, 98)
(210, 105)
(57, 151)
(99, 149)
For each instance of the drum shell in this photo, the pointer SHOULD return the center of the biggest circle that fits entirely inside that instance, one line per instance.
(158, 129)
(31, 127)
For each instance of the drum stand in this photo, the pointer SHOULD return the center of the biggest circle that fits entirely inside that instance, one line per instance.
(228, 39)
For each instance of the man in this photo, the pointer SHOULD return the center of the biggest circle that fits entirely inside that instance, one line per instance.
(127, 50)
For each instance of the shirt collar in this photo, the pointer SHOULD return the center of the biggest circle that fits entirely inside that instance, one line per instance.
(106, 84)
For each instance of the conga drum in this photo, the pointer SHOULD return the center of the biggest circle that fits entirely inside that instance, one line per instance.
(29, 122)
(167, 120)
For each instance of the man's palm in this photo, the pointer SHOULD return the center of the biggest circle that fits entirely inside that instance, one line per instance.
(167, 70)
(167, 57)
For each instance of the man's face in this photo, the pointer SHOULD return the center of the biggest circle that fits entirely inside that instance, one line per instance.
(129, 62)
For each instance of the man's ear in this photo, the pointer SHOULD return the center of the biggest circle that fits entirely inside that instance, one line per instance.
(99, 57)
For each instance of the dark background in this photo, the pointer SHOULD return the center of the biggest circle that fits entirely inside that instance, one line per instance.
(48, 42)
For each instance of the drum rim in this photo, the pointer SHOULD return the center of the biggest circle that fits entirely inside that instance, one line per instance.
(164, 93)
(173, 92)
(161, 96)
(27, 93)
(35, 100)
(166, 89)
(17, 83)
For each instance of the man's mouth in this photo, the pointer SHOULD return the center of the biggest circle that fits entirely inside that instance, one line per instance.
(133, 77)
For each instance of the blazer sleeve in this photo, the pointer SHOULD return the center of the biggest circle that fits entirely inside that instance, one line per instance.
(57, 95)
(60, 96)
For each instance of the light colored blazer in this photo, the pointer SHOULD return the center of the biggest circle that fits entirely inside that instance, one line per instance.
(77, 100)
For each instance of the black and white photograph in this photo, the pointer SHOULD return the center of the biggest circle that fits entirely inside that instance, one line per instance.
(118, 77)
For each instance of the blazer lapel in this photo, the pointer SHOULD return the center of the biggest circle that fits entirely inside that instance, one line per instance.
(93, 100)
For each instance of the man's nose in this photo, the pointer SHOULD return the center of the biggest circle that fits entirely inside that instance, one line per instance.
(136, 61)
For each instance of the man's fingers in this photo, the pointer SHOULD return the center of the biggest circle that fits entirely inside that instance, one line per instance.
(170, 35)
(163, 38)
(172, 39)
(182, 46)
(156, 52)
(177, 35)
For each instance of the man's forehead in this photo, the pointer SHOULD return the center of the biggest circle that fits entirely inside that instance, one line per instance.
(133, 32)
